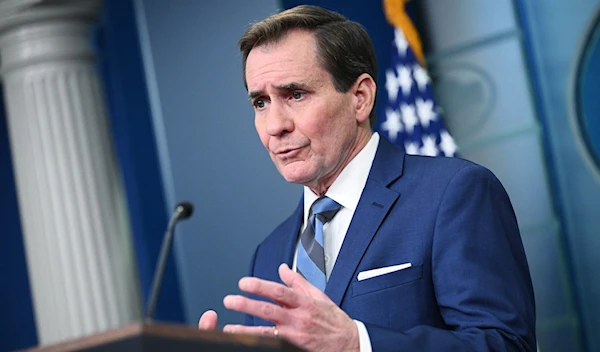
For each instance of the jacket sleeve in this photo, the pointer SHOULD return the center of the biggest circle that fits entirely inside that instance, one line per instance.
(479, 272)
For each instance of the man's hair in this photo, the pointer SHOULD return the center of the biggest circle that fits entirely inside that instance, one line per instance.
(344, 49)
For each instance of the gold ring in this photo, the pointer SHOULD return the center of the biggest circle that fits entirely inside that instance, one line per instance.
(275, 332)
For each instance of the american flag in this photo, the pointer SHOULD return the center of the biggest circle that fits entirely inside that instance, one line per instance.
(411, 118)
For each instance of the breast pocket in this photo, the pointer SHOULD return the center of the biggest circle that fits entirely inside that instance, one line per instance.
(385, 281)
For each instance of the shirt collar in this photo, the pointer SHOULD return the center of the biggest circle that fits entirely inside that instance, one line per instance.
(348, 186)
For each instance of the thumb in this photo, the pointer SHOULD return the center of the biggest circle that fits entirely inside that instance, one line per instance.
(208, 320)
(298, 282)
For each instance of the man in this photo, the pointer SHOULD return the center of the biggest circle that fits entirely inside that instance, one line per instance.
(396, 252)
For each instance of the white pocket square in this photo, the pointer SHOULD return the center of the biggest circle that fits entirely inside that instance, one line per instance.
(367, 274)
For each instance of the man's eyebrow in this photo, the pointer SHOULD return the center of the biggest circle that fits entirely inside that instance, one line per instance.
(254, 94)
(291, 86)
(284, 87)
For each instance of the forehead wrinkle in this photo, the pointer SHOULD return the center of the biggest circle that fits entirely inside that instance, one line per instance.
(268, 71)
(305, 81)
(276, 67)
(292, 66)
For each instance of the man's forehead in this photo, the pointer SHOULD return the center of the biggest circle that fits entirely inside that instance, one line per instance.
(296, 44)
(281, 72)
(297, 34)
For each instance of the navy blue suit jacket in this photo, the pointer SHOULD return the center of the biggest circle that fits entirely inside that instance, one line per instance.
(469, 287)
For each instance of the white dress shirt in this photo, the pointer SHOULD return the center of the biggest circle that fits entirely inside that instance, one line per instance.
(346, 190)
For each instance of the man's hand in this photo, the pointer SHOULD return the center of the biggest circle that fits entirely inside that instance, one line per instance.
(208, 320)
(304, 315)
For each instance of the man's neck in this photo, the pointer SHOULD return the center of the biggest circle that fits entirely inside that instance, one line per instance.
(322, 186)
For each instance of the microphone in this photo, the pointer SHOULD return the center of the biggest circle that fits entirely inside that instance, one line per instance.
(183, 210)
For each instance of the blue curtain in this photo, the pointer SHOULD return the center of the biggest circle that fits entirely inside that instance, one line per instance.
(130, 117)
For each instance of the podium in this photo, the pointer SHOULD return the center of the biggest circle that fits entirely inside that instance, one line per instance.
(165, 337)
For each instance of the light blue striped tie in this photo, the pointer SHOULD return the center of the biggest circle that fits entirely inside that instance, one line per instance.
(311, 256)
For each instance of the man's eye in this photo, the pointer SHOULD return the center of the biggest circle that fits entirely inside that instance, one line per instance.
(259, 103)
(298, 95)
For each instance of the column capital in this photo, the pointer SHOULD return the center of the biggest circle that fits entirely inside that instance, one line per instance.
(34, 31)
(18, 12)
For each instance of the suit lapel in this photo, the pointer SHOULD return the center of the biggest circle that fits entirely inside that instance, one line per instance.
(290, 233)
(375, 203)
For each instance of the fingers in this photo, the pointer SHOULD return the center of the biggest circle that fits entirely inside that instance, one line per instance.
(298, 283)
(208, 320)
(250, 330)
(265, 310)
(279, 293)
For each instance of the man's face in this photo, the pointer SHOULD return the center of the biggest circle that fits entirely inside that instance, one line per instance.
(309, 129)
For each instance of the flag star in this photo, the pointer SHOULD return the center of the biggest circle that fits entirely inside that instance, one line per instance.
(401, 42)
(412, 118)
(409, 117)
(405, 79)
(421, 77)
(447, 144)
(391, 85)
(392, 123)
(411, 148)
(429, 147)
(425, 111)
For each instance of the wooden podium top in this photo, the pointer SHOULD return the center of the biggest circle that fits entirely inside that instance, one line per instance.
(155, 337)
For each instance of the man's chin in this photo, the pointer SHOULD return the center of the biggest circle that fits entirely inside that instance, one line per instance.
(294, 176)
(295, 179)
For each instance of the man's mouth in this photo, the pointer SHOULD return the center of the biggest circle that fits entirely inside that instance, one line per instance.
(287, 153)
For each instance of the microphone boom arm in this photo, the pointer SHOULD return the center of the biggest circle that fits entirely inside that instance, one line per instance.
(182, 211)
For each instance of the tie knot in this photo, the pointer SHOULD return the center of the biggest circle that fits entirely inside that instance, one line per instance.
(324, 208)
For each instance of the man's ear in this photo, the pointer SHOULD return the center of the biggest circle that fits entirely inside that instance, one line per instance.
(364, 91)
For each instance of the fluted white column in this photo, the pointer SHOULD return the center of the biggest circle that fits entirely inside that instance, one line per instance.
(77, 239)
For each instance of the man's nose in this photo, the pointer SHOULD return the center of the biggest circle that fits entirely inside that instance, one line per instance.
(279, 120)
